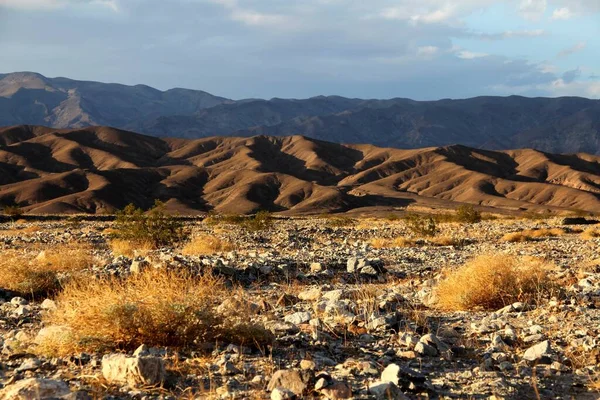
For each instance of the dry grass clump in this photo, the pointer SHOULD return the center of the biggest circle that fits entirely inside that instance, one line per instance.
(206, 244)
(516, 237)
(445, 241)
(540, 233)
(129, 248)
(156, 308)
(383, 243)
(590, 233)
(38, 275)
(530, 234)
(490, 282)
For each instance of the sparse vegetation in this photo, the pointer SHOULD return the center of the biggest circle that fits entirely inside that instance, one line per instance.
(155, 226)
(467, 214)
(421, 225)
(39, 276)
(157, 308)
(340, 222)
(590, 233)
(490, 282)
(530, 234)
(128, 248)
(205, 244)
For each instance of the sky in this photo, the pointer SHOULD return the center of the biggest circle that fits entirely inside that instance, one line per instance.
(420, 49)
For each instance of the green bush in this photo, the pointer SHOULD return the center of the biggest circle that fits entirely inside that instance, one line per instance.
(421, 225)
(259, 222)
(468, 214)
(154, 226)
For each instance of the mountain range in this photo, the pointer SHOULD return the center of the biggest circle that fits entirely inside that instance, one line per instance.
(100, 169)
(553, 125)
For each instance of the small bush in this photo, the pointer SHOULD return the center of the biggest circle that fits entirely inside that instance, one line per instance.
(340, 222)
(491, 282)
(516, 237)
(154, 226)
(156, 308)
(261, 221)
(530, 234)
(445, 241)
(127, 248)
(421, 225)
(39, 276)
(467, 214)
(392, 217)
(206, 244)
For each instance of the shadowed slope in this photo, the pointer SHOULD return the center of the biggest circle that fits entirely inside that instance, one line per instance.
(99, 169)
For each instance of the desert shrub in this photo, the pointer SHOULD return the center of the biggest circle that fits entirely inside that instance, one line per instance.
(467, 214)
(206, 244)
(156, 308)
(381, 243)
(340, 222)
(128, 248)
(155, 226)
(490, 282)
(541, 233)
(516, 237)
(421, 225)
(261, 221)
(35, 276)
(530, 234)
(445, 241)
(392, 217)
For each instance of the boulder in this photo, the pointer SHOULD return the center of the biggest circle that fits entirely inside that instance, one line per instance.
(133, 371)
(35, 388)
(539, 353)
(386, 391)
(295, 380)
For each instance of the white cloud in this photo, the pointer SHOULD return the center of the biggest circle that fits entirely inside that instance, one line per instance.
(428, 50)
(54, 4)
(469, 55)
(251, 17)
(572, 50)
(562, 14)
(532, 9)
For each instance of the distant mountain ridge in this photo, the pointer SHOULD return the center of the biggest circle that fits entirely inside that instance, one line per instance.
(555, 125)
(101, 169)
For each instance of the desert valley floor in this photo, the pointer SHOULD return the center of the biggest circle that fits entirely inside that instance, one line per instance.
(328, 308)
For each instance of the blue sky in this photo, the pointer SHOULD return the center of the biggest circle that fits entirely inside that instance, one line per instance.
(421, 49)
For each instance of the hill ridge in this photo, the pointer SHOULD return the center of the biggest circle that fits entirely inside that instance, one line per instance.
(100, 169)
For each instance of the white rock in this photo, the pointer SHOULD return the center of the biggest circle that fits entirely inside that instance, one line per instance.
(34, 388)
(119, 368)
(298, 318)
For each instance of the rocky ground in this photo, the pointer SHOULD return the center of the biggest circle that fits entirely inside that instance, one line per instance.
(349, 320)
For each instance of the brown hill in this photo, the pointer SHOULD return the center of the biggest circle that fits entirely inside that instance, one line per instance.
(99, 169)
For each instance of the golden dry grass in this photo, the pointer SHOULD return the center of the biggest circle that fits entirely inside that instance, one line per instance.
(516, 237)
(382, 243)
(156, 308)
(530, 234)
(36, 274)
(128, 248)
(590, 233)
(445, 241)
(490, 282)
(206, 244)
